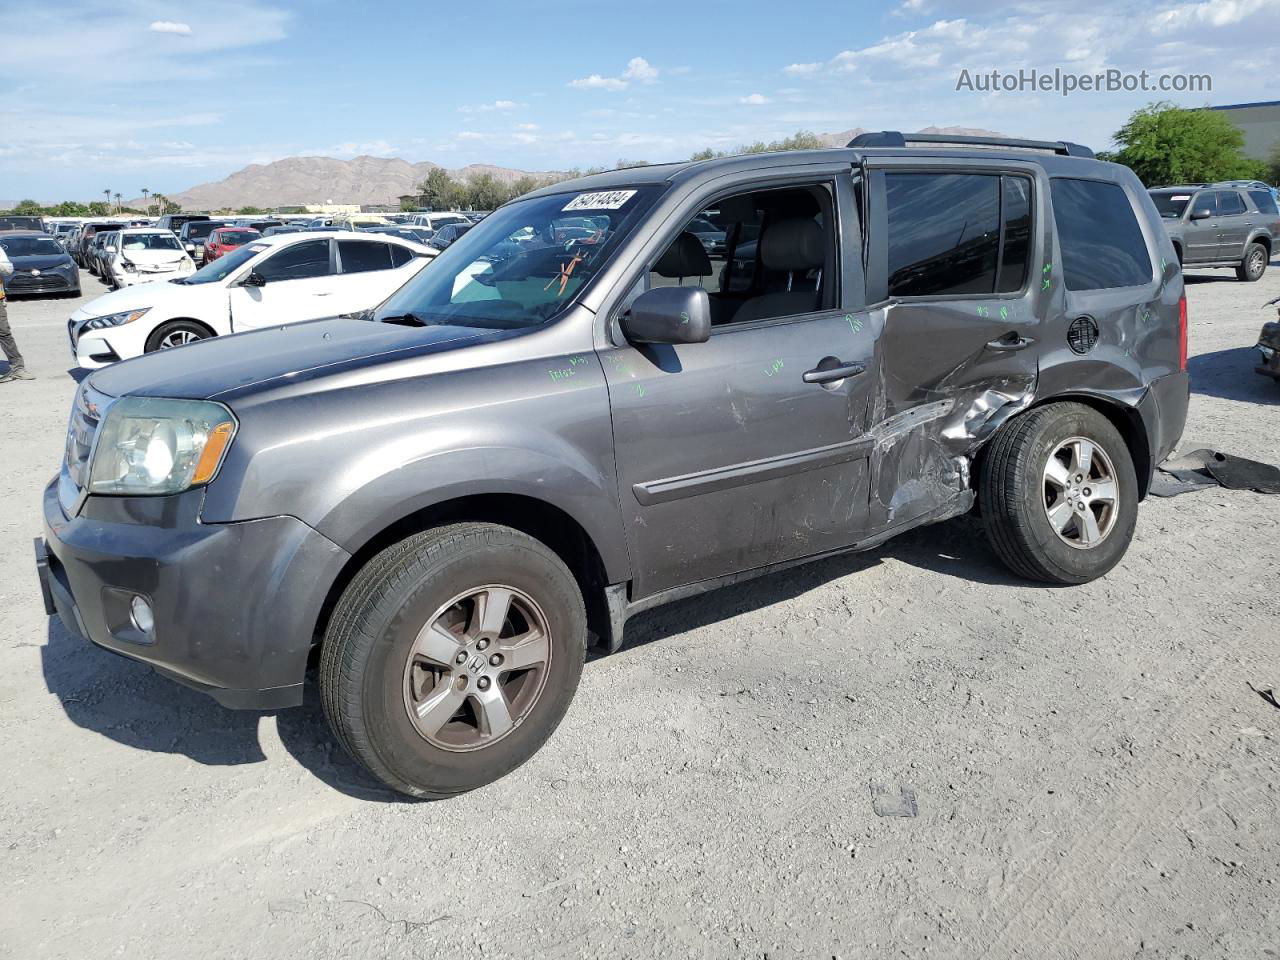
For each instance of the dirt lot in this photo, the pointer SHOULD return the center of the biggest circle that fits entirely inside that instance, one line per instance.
(1092, 773)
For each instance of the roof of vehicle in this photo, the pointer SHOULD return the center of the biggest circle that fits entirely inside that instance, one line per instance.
(11, 234)
(702, 170)
(137, 230)
(281, 239)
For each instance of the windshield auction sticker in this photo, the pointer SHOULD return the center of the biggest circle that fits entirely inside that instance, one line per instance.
(608, 200)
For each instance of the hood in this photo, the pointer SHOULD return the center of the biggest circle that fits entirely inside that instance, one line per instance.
(146, 295)
(246, 362)
(43, 262)
(151, 257)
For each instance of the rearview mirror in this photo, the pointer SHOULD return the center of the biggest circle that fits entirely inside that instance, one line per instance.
(669, 315)
(1201, 214)
(254, 279)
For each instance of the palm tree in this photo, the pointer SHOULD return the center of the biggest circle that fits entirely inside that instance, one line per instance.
(119, 208)
(145, 203)
(107, 193)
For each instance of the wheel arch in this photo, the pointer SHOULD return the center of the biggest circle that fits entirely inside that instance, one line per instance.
(199, 323)
(539, 518)
(1128, 423)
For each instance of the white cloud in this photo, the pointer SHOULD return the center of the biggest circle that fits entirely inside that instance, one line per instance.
(638, 70)
(500, 106)
(526, 126)
(470, 135)
(169, 26)
(595, 81)
(801, 69)
(754, 99)
(1213, 13)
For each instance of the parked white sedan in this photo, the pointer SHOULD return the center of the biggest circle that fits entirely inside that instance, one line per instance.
(272, 281)
(143, 255)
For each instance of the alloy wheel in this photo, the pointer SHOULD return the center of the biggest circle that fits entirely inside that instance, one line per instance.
(178, 338)
(1081, 494)
(477, 668)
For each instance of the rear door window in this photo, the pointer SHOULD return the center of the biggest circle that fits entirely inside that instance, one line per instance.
(364, 256)
(300, 261)
(1102, 244)
(1230, 202)
(951, 233)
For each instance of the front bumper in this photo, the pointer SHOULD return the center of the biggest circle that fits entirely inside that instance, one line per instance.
(236, 605)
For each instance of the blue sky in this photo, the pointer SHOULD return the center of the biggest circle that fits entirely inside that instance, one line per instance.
(138, 93)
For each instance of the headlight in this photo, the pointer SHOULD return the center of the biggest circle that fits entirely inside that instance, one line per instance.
(128, 266)
(115, 319)
(155, 447)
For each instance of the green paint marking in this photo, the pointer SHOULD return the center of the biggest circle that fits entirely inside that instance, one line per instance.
(984, 312)
(1045, 285)
(1004, 313)
(563, 374)
(854, 323)
(639, 390)
(684, 317)
(1048, 268)
(773, 368)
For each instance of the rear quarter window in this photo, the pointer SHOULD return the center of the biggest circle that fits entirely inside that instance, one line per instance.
(1102, 244)
(1264, 201)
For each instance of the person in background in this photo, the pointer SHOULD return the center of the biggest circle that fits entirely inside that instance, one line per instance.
(17, 369)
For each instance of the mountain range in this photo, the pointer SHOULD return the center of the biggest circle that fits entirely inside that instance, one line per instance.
(372, 180)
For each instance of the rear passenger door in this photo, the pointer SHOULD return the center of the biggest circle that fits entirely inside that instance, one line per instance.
(369, 272)
(1234, 223)
(955, 263)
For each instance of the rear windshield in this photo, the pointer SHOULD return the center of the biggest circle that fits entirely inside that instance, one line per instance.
(201, 230)
(31, 246)
(21, 223)
(1170, 205)
(237, 237)
(522, 265)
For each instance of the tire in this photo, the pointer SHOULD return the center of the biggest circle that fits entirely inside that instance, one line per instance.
(1018, 487)
(165, 336)
(1254, 264)
(370, 680)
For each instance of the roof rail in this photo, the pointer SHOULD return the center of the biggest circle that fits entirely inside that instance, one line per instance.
(892, 138)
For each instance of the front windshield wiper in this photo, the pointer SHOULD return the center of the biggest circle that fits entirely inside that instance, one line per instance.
(404, 319)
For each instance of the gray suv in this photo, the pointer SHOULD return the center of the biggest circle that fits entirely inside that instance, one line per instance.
(1221, 225)
(579, 411)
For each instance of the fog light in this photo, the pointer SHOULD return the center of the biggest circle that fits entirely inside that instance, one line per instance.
(140, 613)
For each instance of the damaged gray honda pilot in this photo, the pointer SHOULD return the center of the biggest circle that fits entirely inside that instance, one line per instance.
(593, 403)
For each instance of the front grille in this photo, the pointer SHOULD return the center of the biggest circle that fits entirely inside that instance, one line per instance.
(46, 281)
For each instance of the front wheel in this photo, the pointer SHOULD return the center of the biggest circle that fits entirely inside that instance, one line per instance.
(1254, 264)
(176, 333)
(452, 657)
(1059, 494)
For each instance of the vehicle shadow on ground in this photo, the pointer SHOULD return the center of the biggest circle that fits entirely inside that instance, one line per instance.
(129, 703)
(955, 548)
(1229, 374)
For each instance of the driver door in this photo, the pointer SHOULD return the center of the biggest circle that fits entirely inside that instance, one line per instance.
(300, 283)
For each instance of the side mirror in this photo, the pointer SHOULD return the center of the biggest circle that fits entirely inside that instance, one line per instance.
(254, 279)
(1201, 214)
(669, 315)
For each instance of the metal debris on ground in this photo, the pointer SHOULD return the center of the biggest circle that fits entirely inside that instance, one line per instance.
(896, 803)
(1209, 468)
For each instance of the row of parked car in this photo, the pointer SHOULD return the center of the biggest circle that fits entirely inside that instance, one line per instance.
(1235, 223)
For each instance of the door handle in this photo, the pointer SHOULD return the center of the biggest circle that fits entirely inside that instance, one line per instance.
(830, 369)
(1010, 341)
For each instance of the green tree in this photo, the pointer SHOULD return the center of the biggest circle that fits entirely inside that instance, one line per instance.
(800, 140)
(250, 211)
(28, 208)
(1163, 144)
(439, 190)
(523, 185)
(98, 209)
(484, 192)
(70, 208)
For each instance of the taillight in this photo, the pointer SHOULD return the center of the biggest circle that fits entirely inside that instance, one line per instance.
(1182, 333)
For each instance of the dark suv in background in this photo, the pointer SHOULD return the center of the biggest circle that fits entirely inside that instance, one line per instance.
(441, 503)
(1221, 225)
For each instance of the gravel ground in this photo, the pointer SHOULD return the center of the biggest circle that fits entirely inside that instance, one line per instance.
(1092, 773)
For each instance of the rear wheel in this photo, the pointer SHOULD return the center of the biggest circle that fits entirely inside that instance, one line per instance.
(1254, 264)
(452, 657)
(176, 333)
(1059, 494)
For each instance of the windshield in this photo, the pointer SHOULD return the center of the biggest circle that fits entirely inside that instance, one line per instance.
(1171, 205)
(149, 241)
(517, 268)
(21, 223)
(223, 267)
(31, 247)
(237, 237)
